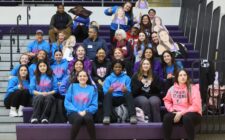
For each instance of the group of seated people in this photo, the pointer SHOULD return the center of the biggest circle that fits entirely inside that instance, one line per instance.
(138, 69)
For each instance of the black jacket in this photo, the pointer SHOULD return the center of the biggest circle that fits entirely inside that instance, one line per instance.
(96, 68)
(137, 87)
(61, 21)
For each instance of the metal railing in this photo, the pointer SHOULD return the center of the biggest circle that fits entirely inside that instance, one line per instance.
(28, 25)
(176, 3)
(12, 41)
(17, 33)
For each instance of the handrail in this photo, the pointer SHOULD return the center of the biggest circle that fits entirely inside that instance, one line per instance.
(28, 26)
(12, 41)
(17, 33)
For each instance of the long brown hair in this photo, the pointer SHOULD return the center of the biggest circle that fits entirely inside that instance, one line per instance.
(188, 82)
(140, 71)
(19, 76)
(37, 72)
(146, 42)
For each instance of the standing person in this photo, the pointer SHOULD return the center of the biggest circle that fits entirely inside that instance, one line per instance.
(146, 26)
(117, 91)
(151, 14)
(93, 43)
(24, 60)
(146, 88)
(42, 86)
(128, 9)
(59, 66)
(61, 21)
(38, 44)
(170, 68)
(17, 95)
(81, 103)
(183, 103)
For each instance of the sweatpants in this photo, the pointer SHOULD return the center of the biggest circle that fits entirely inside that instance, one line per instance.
(77, 121)
(150, 106)
(17, 98)
(189, 120)
(42, 106)
(110, 101)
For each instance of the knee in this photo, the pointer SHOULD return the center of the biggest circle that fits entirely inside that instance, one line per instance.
(88, 118)
(142, 101)
(168, 117)
(155, 101)
(186, 119)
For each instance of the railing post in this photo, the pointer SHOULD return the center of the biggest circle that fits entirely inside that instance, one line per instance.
(17, 33)
(28, 26)
(102, 3)
(12, 41)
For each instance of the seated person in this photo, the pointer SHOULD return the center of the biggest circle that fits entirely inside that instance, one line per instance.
(61, 21)
(117, 91)
(93, 43)
(38, 44)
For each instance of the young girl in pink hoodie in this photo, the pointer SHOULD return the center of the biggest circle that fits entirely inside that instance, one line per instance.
(183, 103)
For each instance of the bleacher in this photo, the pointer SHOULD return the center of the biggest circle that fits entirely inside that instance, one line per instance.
(185, 33)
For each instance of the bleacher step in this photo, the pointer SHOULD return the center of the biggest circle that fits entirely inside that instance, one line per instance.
(8, 128)
(7, 119)
(4, 112)
(7, 136)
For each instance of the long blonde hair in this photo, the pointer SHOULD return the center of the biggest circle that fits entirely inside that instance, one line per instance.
(140, 71)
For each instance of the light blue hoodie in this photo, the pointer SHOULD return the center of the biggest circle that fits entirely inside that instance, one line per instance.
(117, 82)
(60, 69)
(81, 99)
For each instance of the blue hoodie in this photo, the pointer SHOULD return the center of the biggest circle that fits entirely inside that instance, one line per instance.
(117, 82)
(32, 69)
(81, 98)
(60, 70)
(46, 84)
(78, 20)
(170, 69)
(13, 86)
(55, 46)
(34, 46)
(15, 70)
(114, 9)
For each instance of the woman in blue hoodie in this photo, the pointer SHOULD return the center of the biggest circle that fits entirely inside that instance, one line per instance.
(43, 86)
(81, 103)
(59, 66)
(17, 95)
(42, 55)
(117, 91)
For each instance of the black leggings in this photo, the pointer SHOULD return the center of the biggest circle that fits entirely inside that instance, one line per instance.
(77, 121)
(189, 120)
(17, 98)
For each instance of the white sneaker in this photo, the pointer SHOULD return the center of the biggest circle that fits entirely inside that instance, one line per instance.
(20, 111)
(34, 120)
(13, 112)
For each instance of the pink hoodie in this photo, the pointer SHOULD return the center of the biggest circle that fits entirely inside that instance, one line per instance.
(177, 100)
